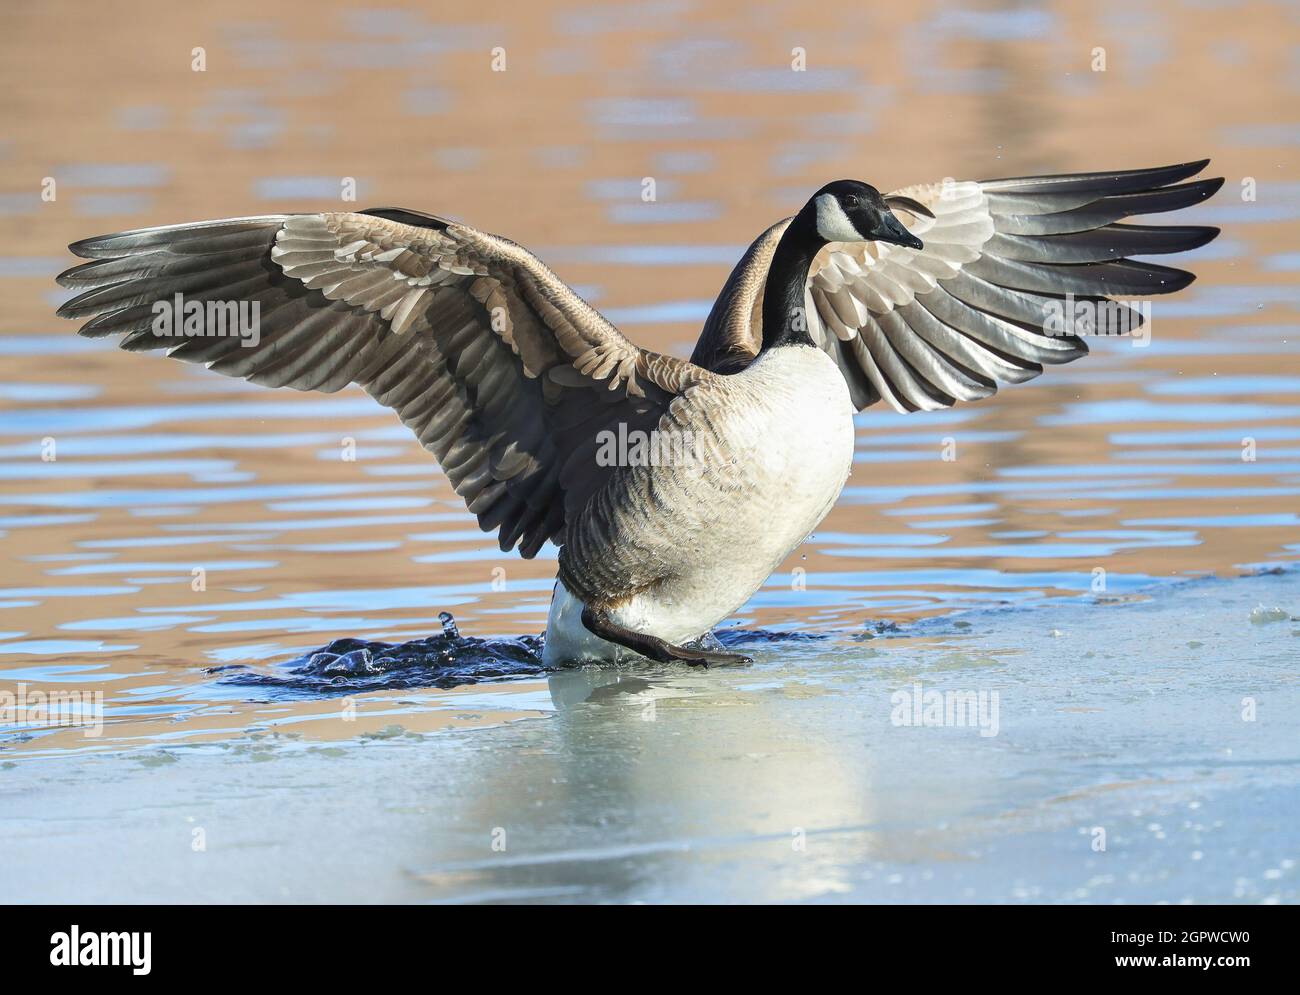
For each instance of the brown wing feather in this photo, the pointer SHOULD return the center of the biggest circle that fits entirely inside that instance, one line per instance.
(733, 332)
(499, 369)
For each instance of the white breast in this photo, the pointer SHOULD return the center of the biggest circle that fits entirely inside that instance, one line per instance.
(787, 424)
(790, 428)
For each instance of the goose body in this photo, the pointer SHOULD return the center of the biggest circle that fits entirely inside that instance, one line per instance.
(771, 449)
(528, 397)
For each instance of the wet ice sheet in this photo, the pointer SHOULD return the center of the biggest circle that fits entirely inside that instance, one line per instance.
(1150, 464)
(1144, 751)
(318, 517)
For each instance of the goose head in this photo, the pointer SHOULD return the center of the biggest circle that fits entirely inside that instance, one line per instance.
(851, 211)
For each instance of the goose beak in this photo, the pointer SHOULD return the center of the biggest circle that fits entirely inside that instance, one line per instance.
(891, 230)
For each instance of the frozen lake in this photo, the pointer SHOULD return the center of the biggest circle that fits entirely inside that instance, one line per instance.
(1139, 751)
(1070, 566)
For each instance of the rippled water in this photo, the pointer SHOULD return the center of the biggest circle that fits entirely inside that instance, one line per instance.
(183, 543)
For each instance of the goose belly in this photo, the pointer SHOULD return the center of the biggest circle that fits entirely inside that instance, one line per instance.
(793, 448)
(786, 425)
(569, 641)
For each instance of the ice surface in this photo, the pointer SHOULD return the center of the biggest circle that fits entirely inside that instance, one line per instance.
(1144, 751)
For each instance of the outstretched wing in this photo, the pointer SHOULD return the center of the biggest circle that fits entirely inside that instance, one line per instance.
(499, 368)
(982, 303)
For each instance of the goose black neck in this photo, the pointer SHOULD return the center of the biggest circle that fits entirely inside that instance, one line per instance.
(785, 320)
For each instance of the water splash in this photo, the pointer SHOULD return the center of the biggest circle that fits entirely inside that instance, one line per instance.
(350, 666)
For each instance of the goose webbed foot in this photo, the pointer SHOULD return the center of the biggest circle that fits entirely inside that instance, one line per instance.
(599, 623)
(710, 646)
(707, 658)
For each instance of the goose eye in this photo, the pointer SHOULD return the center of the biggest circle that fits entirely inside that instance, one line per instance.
(851, 200)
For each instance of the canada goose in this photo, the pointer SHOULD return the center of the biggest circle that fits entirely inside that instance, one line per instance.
(924, 297)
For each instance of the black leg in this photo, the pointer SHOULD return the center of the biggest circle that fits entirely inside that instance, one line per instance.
(599, 623)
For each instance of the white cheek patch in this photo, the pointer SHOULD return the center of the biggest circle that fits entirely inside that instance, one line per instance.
(833, 224)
